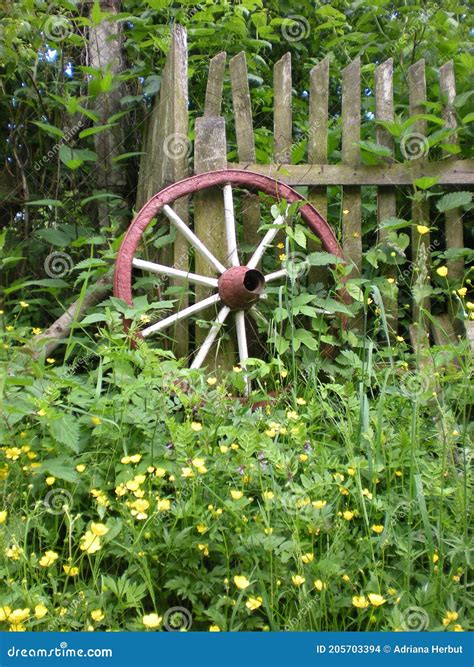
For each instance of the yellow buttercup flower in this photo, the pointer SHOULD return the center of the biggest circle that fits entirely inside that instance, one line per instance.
(201, 528)
(50, 480)
(319, 504)
(319, 585)
(50, 360)
(214, 628)
(254, 603)
(360, 601)
(237, 369)
(90, 543)
(236, 495)
(211, 381)
(14, 552)
(17, 616)
(96, 421)
(241, 582)
(300, 401)
(3, 516)
(204, 548)
(40, 611)
(97, 615)
(422, 229)
(152, 620)
(450, 617)
(307, 558)
(376, 600)
(297, 580)
(23, 304)
(187, 472)
(48, 559)
(367, 494)
(163, 505)
(13, 453)
(458, 628)
(41, 413)
(268, 495)
(462, 291)
(99, 529)
(196, 426)
(377, 528)
(71, 570)
(346, 578)
(348, 515)
(442, 271)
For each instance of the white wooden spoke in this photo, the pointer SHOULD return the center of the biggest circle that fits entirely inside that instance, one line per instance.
(210, 338)
(242, 343)
(231, 233)
(163, 270)
(265, 242)
(190, 310)
(192, 238)
(282, 273)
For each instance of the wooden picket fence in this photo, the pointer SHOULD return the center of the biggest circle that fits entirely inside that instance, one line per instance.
(166, 154)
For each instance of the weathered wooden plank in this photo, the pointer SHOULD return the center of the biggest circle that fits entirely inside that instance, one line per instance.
(420, 208)
(179, 168)
(453, 218)
(209, 155)
(282, 114)
(318, 147)
(215, 85)
(318, 128)
(448, 172)
(386, 198)
(351, 197)
(245, 142)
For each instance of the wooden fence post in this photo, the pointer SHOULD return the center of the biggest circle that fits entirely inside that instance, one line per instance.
(245, 144)
(386, 197)
(351, 198)
(420, 208)
(318, 147)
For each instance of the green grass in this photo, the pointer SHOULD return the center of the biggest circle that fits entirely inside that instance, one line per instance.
(286, 496)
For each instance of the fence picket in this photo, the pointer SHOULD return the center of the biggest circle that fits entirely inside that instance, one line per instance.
(210, 153)
(215, 85)
(282, 118)
(245, 142)
(351, 196)
(318, 145)
(453, 218)
(386, 197)
(420, 208)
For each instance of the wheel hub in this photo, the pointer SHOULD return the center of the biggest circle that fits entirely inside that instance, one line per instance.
(240, 287)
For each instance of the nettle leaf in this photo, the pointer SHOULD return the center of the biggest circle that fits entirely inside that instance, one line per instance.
(93, 318)
(394, 223)
(323, 259)
(453, 200)
(60, 469)
(306, 338)
(65, 430)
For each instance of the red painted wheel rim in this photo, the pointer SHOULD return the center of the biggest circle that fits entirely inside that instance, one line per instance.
(236, 177)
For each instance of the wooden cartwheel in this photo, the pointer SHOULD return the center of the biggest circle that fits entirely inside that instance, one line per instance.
(236, 287)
